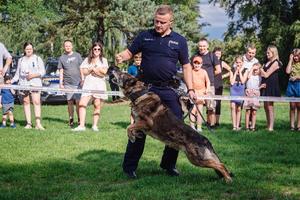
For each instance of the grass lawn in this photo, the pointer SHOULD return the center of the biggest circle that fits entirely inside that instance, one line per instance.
(60, 164)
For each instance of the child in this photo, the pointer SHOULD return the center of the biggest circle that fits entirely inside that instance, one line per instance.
(201, 85)
(135, 67)
(293, 89)
(252, 90)
(238, 78)
(7, 104)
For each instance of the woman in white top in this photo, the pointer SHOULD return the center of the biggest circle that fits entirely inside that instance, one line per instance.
(29, 73)
(94, 69)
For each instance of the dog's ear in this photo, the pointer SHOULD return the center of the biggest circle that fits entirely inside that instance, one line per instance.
(111, 69)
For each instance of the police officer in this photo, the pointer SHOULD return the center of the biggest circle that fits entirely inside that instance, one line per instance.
(161, 49)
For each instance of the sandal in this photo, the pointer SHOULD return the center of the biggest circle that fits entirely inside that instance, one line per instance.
(40, 127)
(71, 122)
(293, 129)
(252, 129)
(28, 126)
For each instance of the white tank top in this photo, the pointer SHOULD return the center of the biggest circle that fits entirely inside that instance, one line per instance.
(253, 82)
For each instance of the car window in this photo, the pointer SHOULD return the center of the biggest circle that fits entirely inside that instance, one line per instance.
(51, 68)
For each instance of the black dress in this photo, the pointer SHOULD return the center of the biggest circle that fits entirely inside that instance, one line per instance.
(272, 82)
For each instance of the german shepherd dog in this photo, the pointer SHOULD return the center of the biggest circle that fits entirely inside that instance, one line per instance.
(153, 118)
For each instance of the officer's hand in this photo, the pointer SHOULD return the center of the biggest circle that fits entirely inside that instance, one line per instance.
(192, 94)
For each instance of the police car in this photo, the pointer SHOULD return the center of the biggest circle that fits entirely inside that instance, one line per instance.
(51, 80)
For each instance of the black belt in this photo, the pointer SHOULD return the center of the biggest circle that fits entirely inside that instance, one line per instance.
(169, 83)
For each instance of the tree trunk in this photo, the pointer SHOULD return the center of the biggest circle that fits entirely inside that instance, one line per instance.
(101, 30)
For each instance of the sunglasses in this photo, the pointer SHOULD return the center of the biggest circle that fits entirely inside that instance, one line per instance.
(197, 63)
(96, 49)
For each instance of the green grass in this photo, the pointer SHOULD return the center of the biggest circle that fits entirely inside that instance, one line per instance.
(60, 164)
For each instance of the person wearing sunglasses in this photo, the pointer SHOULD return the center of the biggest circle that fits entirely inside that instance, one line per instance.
(94, 69)
(161, 49)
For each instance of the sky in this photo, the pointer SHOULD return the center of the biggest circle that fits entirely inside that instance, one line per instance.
(216, 17)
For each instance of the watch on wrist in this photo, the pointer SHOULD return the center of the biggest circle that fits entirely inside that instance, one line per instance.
(190, 90)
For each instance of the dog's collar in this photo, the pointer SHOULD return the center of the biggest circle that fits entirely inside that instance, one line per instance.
(134, 96)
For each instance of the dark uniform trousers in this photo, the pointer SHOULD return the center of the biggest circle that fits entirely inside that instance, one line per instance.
(135, 150)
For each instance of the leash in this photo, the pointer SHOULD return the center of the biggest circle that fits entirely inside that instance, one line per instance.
(200, 113)
(181, 92)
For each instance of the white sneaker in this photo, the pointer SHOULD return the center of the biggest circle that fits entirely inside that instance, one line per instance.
(78, 128)
(95, 128)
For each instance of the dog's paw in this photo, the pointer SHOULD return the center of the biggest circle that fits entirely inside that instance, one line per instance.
(228, 179)
(131, 138)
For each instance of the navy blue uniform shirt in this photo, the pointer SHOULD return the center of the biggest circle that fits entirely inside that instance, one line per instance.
(160, 54)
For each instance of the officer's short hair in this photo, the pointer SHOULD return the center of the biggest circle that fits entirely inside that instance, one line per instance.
(163, 10)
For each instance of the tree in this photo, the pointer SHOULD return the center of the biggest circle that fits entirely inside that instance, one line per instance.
(117, 22)
(111, 22)
(272, 21)
(47, 23)
(25, 19)
(265, 22)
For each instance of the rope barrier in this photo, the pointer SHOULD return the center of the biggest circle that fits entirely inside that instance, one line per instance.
(48, 89)
(118, 93)
(246, 98)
